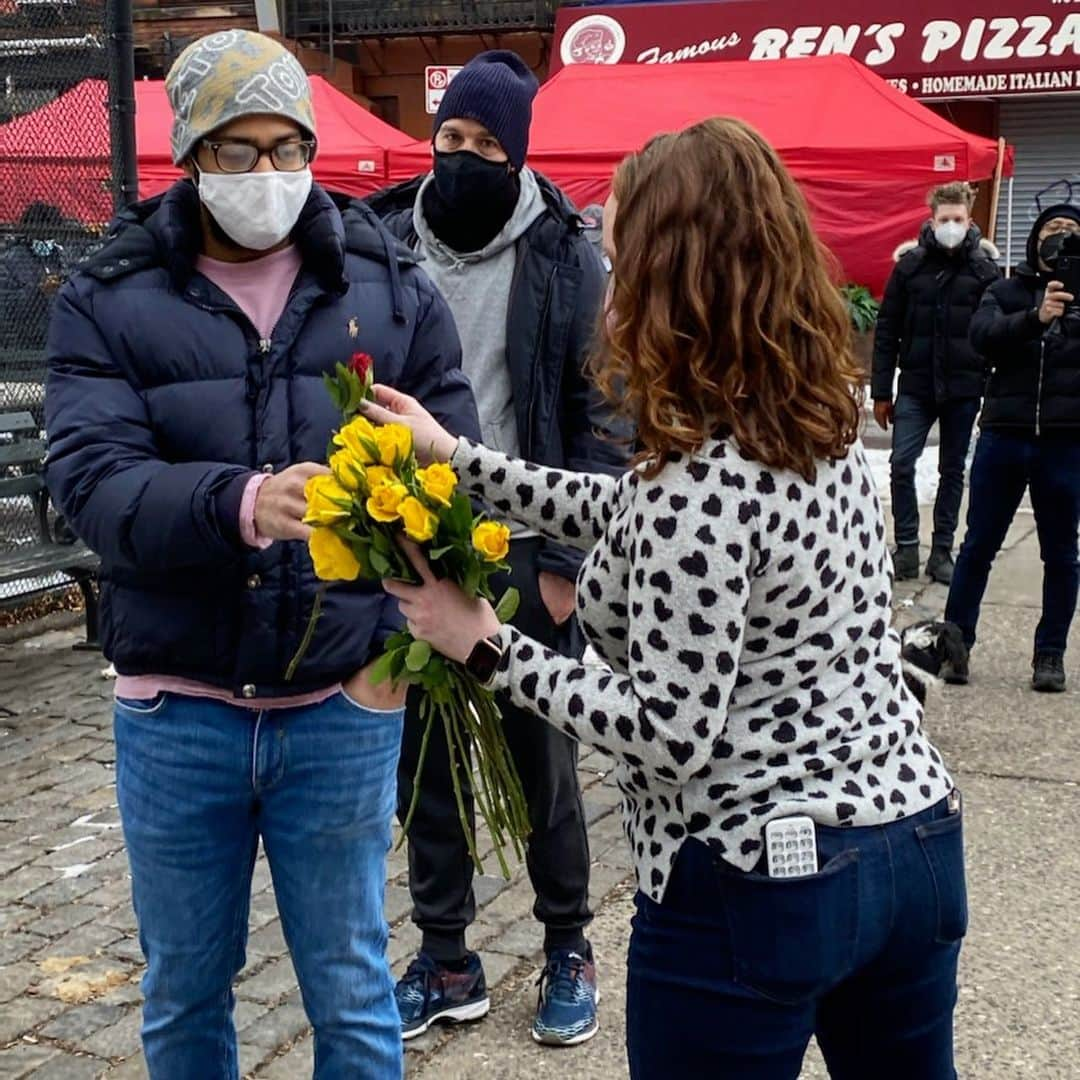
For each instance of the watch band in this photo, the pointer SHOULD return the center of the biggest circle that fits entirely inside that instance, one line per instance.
(484, 659)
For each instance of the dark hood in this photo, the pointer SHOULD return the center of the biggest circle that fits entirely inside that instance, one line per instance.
(1063, 210)
(928, 240)
(975, 245)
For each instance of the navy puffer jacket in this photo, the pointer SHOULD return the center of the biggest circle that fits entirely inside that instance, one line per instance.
(161, 403)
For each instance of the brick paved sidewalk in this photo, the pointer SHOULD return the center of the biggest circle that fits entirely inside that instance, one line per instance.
(69, 956)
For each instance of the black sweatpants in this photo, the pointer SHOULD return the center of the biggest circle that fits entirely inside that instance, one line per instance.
(440, 869)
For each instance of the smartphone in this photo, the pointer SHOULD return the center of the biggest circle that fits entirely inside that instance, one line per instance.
(1068, 273)
(791, 847)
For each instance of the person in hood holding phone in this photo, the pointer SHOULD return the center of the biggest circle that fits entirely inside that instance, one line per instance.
(1028, 327)
(923, 327)
(525, 284)
(186, 410)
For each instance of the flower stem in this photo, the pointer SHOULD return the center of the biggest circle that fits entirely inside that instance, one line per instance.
(309, 633)
(470, 835)
(427, 712)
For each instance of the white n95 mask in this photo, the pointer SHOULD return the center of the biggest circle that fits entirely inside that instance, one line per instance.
(951, 235)
(257, 210)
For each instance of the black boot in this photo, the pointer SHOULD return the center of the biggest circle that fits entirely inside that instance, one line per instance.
(905, 560)
(939, 567)
(1048, 675)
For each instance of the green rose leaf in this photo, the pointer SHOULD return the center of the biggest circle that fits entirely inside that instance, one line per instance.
(418, 656)
(382, 669)
(508, 605)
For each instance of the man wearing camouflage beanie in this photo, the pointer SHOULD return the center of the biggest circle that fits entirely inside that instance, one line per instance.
(185, 411)
(510, 254)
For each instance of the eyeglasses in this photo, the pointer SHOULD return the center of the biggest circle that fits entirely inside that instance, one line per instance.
(242, 157)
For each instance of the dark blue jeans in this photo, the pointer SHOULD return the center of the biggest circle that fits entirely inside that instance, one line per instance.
(734, 972)
(912, 421)
(199, 782)
(1004, 467)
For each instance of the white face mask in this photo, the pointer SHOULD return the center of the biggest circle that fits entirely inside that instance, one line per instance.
(950, 235)
(257, 210)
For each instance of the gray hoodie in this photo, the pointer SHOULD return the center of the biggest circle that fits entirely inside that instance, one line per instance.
(477, 288)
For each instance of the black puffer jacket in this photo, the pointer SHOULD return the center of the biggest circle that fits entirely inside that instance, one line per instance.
(1035, 385)
(926, 316)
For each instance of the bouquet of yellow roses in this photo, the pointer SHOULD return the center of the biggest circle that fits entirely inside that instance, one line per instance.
(375, 493)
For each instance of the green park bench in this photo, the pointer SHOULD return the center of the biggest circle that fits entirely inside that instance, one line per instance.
(53, 549)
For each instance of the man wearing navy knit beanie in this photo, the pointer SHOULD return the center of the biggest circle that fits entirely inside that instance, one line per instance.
(510, 255)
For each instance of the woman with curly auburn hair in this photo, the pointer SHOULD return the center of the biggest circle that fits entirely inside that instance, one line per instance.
(797, 840)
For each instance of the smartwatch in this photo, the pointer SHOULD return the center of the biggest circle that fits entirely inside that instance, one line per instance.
(484, 660)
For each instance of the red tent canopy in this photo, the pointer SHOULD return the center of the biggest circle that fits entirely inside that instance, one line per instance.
(59, 154)
(864, 154)
(61, 160)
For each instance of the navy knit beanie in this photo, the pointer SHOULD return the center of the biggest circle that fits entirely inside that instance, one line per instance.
(495, 89)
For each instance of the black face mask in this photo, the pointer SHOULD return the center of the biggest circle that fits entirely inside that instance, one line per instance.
(471, 200)
(469, 183)
(1050, 248)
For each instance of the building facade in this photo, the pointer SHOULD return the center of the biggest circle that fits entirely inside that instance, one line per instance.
(1000, 68)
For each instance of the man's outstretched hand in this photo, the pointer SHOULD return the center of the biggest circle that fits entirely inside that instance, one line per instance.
(280, 505)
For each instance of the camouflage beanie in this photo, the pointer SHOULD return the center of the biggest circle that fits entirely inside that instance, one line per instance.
(235, 73)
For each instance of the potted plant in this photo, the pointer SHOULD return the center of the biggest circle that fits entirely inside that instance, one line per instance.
(863, 309)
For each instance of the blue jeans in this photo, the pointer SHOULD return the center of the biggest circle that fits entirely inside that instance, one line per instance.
(734, 972)
(1004, 467)
(198, 783)
(912, 421)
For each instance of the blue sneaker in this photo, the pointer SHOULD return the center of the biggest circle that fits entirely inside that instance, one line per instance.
(429, 993)
(566, 1011)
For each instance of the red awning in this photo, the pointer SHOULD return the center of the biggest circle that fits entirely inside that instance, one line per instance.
(60, 152)
(864, 154)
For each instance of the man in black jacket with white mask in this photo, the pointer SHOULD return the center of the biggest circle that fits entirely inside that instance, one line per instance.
(1028, 327)
(924, 322)
(509, 254)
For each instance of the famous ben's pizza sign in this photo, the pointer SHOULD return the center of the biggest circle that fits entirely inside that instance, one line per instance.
(962, 49)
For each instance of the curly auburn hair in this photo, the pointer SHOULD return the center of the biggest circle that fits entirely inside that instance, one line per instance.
(722, 317)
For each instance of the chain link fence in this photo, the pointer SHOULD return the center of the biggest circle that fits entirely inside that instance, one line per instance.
(64, 89)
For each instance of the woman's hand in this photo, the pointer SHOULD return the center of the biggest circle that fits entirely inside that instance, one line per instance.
(431, 440)
(439, 613)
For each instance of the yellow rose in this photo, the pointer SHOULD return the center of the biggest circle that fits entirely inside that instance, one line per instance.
(394, 442)
(327, 501)
(345, 469)
(492, 540)
(438, 482)
(358, 438)
(384, 502)
(333, 558)
(377, 475)
(420, 523)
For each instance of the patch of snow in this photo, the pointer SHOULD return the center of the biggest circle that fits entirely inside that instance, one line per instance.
(75, 871)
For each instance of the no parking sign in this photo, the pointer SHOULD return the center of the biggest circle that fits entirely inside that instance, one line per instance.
(437, 79)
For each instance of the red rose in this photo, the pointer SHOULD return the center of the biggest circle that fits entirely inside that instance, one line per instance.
(360, 365)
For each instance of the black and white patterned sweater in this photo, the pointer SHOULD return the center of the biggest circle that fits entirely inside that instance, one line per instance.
(749, 671)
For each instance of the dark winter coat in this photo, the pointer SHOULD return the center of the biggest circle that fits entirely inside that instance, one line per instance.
(1034, 388)
(926, 316)
(161, 403)
(554, 305)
